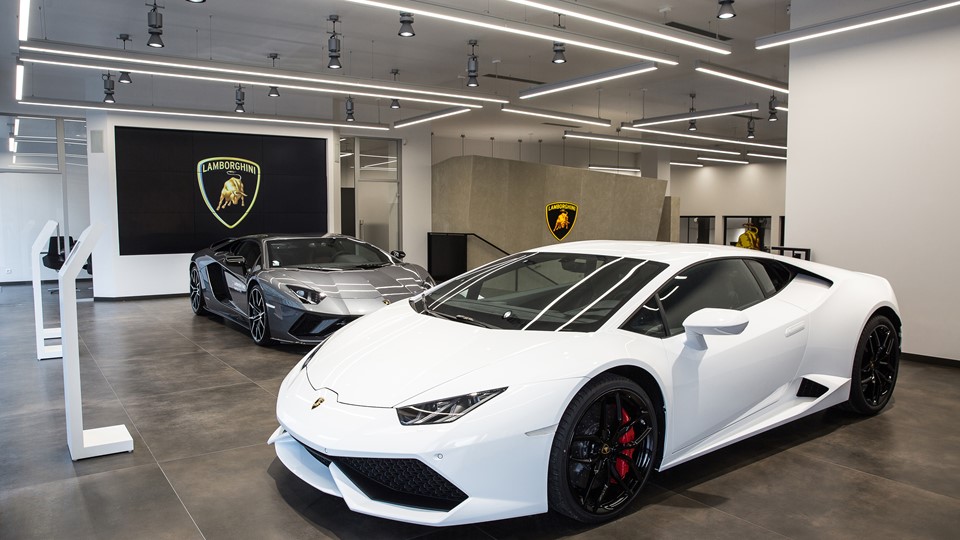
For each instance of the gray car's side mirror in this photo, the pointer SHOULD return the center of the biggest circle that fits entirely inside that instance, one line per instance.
(713, 322)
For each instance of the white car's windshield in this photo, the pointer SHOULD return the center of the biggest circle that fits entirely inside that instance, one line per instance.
(541, 291)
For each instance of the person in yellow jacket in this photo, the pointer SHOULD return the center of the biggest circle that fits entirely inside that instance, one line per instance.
(749, 239)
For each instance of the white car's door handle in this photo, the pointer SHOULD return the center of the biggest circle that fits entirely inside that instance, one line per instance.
(795, 329)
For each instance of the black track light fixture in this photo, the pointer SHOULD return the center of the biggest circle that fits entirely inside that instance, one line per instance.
(196, 1)
(240, 95)
(692, 125)
(273, 91)
(333, 44)
(473, 65)
(726, 9)
(155, 26)
(108, 88)
(394, 103)
(348, 106)
(124, 75)
(558, 50)
(406, 25)
(773, 108)
(751, 134)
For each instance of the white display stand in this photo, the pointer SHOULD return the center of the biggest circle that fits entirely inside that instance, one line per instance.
(44, 351)
(83, 443)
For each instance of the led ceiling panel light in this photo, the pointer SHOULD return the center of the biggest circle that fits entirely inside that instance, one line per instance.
(697, 115)
(892, 13)
(187, 74)
(741, 76)
(616, 168)
(685, 164)
(429, 116)
(519, 28)
(556, 115)
(24, 26)
(277, 75)
(18, 88)
(643, 142)
(702, 137)
(768, 156)
(628, 71)
(201, 114)
(720, 160)
(650, 29)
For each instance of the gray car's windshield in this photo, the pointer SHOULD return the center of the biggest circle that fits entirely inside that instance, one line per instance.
(323, 253)
(541, 291)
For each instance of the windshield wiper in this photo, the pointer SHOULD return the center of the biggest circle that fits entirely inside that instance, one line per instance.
(371, 265)
(323, 268)
(457, 318)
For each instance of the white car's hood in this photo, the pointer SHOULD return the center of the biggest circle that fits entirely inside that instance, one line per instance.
(395, 354)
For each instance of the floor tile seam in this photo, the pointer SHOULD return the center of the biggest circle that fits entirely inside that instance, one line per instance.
(182, 503)
(799, 453)
(202, 348)
(77, 478)
(722, 511)
(216, 387)
(120, 401)
(212, 452)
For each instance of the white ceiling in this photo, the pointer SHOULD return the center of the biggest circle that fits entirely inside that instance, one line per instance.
(245, 31)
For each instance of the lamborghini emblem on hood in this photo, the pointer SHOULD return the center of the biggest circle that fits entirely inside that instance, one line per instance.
(233, 182)
(317, 403)
(561, 216)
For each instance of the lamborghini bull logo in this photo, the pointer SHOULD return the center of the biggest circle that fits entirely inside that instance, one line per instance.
(233, 182)
(232, 192)
(561, 217)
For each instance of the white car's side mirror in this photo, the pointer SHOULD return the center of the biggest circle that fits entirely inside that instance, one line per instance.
(713, 322)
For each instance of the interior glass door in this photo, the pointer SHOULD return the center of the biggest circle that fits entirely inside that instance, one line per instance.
(377, 192)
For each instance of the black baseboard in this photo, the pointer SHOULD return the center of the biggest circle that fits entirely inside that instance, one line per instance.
(128, 298)
(929, 360)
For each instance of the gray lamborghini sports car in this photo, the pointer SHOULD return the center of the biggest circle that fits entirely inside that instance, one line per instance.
(298, 288)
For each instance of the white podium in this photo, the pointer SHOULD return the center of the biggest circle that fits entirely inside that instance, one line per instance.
(83, 443)
(44, 351)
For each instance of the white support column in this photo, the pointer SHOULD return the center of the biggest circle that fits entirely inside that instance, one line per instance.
(90, 442)
(44, 351)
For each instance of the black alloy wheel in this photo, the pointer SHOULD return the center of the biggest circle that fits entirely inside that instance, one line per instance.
(604, 450)
(196, 291)
(875, 367)
(259, 326)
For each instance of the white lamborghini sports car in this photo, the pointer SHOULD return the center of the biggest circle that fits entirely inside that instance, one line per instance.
(559, 378)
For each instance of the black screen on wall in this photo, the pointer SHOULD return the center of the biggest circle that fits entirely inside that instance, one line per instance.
(180, 191)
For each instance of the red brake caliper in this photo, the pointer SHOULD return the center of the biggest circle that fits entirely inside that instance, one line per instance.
(621, 464)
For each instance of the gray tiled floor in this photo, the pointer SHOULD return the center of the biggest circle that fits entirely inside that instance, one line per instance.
(199, 397)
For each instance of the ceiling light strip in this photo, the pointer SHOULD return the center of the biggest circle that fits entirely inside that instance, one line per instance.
(24, 28)
(66, 49)
(720, 160)
(768, 156)
(650, 29)
(741, 76)
(643, 142)
(628, 71)
(704, 137)
(186, 74)
(18, 88)
(782, 107)
(429, 116)
(200, 114)
(613, 168)
(870, 18)
(519, 28)
(698, 115)
(556, 115)
(685, 164)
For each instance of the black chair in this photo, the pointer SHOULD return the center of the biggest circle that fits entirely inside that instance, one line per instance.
(56, 253)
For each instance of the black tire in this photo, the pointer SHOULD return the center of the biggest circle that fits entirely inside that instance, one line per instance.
(259, 320)
(196, 292)
(875, 367)
(609, 433)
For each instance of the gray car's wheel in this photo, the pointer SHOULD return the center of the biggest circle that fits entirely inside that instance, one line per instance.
(604, 449)
(875, 367)
(259, 323)
(196, 292)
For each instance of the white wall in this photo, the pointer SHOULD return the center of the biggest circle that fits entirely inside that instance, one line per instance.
(147, 275)
(415, 164)
(567, 154)
(27, 201)
(872, 180)
(732, 190)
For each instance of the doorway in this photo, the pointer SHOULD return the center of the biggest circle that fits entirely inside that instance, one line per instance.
(370, 190)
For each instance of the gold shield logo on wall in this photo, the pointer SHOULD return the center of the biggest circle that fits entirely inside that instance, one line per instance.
(561, 217)
(233, 183)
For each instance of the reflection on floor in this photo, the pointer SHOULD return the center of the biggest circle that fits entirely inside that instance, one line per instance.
(198, 397)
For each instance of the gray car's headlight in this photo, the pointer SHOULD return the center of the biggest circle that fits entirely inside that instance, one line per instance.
(306, 294)
(444, 411)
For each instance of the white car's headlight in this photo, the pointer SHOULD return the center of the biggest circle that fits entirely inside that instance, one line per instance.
(306, 294)
(443, 411)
